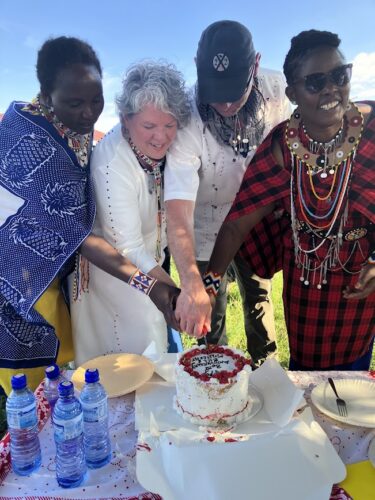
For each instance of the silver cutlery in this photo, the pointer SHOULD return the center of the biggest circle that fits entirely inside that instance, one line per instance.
(341, 405)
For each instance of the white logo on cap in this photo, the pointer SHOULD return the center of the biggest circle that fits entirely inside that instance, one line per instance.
(220, 62)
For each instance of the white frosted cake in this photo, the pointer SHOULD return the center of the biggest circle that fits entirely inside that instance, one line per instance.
(212, 385)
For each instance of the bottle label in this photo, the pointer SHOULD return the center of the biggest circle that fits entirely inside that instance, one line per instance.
(22, 418)
(68, 429)
(95, 412)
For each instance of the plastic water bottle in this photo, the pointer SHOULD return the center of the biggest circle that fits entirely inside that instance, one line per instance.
(51, 385)
(68, 432)
(95, 421)
(23, 427)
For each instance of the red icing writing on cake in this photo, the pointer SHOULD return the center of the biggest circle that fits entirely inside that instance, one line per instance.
(215, 362)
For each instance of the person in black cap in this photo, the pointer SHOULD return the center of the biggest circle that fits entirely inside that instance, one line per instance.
(235, 104)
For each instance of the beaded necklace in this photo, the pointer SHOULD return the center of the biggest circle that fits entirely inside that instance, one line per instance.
(325, 147)
(154, 170)
(323, 216)
(80, 144)
(244, 131)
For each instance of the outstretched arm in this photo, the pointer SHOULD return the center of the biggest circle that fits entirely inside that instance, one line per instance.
(231, 236)
(98, 251)
(193, 309)
(163, 293)
(234, 232)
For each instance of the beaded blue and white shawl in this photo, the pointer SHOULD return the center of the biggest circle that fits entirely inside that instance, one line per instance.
(46, 211)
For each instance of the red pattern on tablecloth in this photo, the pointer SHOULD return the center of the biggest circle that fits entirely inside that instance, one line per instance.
(305, 380)
(4, 456)
(121, 470)
(339, 494)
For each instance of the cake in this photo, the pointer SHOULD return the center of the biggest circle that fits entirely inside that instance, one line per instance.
(212, 385)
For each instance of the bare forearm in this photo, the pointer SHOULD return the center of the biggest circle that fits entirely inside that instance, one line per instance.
(158, 273)
(181, 240)
(231, 236)
(193, 308)
(228, 242)
(163, 293)
(98, 251)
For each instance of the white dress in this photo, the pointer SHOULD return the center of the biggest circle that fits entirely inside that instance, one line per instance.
(112, 316)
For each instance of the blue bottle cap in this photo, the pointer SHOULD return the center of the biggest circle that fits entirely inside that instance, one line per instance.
(18, 381)
(65, 388)
(91, 375)
(52, 372)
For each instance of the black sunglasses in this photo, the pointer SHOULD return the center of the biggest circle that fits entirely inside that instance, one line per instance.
(316, 82)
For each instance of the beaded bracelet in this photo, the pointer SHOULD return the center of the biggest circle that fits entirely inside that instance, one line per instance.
(371, 259)
(142, 281)
(212, 282)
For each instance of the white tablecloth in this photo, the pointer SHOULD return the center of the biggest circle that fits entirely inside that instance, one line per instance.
(351, 442)
(117, 479)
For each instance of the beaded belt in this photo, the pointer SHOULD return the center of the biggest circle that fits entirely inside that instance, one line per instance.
(348, 235)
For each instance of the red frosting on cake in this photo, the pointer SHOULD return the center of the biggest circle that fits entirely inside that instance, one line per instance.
(223, 376)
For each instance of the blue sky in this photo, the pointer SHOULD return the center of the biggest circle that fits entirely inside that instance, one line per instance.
(124, 31)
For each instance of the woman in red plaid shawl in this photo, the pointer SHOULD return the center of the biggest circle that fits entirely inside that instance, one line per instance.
(318, 168)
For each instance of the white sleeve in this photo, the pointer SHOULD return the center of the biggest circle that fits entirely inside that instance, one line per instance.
(181, 178)
(118, 211)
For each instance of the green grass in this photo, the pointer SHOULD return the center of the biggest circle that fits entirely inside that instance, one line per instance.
(235, 327)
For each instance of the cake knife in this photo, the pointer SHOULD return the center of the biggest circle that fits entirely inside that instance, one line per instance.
(205, 331)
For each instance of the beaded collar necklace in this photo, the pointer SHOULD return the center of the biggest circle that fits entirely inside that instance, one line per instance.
(79, 143)
(323, 216)
(324, 147)
(317, 155)
(154, 169)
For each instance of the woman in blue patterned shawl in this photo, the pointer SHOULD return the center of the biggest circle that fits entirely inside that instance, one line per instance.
(47, 212)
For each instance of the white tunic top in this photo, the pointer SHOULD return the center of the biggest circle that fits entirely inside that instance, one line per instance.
(199, 168)
(112, 316)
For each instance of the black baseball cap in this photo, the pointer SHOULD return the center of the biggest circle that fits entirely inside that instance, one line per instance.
(224, 57)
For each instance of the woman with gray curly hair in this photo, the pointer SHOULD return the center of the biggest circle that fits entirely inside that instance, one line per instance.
(127, 171)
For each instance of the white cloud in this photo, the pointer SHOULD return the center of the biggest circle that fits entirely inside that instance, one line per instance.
(32, 43)
(7, 26)
(108, 118)
(363, 80)
(111, 83)
(189, 71)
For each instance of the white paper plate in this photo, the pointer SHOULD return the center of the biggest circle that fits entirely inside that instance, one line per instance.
(359, 396)
(371, 452)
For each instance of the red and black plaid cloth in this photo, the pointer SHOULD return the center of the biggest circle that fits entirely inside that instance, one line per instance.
(324, 329)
